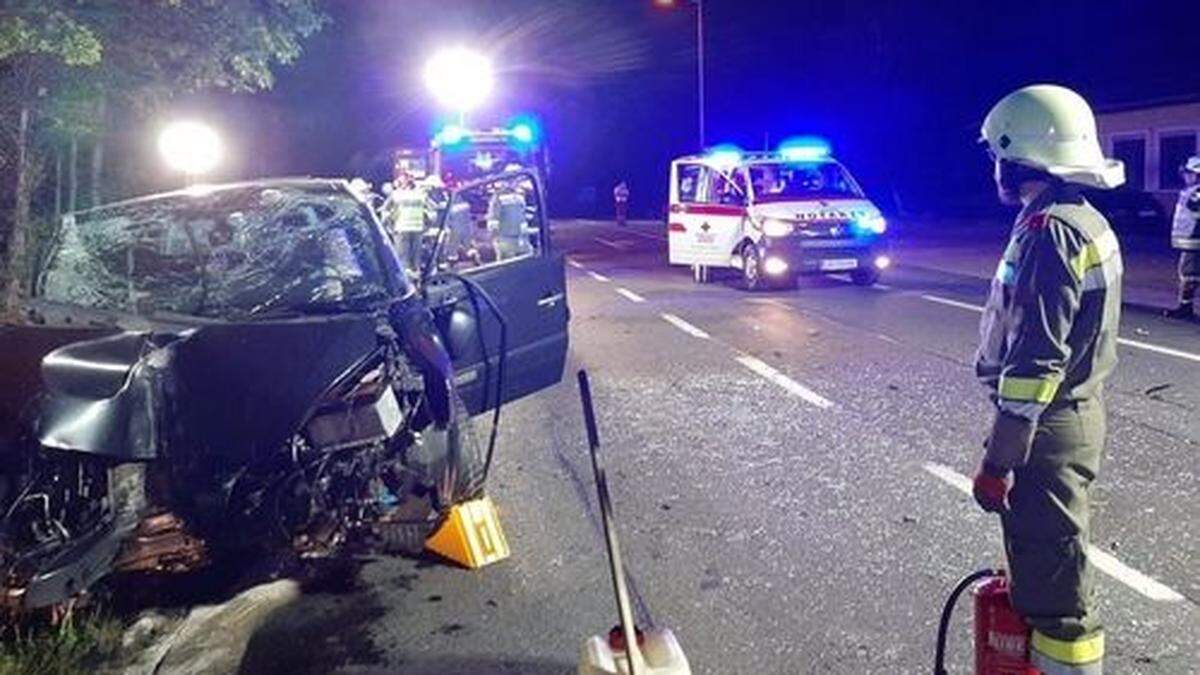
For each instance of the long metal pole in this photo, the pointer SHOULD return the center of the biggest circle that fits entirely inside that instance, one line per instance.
(700, 63)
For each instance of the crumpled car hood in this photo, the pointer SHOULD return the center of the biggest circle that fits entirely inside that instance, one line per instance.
(228, 389)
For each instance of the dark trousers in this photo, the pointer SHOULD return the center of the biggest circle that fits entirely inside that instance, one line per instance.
(1047, 529)
(622, 208)
(1189, 276)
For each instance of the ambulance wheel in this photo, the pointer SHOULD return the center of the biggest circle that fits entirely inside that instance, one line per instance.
(865, 276)
(752, 274)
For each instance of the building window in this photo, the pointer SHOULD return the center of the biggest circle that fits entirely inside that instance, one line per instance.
(1173, 151)
(1132, 151)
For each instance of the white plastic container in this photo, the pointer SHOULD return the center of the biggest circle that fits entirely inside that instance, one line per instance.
(660, 654)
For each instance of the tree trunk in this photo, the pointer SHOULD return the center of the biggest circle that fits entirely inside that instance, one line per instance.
(15, 267)
(97, 170)
(58, 191)
(73, 176)
(98, 155)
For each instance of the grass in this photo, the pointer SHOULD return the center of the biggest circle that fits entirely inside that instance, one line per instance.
(91, 638)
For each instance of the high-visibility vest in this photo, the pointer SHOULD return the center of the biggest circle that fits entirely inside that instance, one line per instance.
(408, 214)
(1185, 231)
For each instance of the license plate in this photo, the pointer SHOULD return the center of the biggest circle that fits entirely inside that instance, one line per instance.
(839, 264)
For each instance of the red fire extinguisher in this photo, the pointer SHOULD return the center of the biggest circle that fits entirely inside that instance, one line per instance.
(1001, 636)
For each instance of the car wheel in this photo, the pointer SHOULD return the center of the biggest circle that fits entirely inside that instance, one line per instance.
(752, 275)
(865, 276)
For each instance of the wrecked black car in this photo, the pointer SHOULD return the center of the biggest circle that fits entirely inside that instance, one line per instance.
(248, 365)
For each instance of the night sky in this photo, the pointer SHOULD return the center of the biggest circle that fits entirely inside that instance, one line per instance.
(899, 88)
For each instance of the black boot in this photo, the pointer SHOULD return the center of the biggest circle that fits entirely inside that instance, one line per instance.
(1183, 311)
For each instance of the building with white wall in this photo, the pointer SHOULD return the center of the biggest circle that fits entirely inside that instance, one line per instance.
(1153, 138)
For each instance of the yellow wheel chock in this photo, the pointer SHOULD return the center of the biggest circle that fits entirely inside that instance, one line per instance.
(471, 535)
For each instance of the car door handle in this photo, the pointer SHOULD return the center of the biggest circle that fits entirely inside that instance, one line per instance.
(550, 300)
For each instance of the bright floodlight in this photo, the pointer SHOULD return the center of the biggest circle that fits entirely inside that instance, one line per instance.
(459, 79)
(190, 147)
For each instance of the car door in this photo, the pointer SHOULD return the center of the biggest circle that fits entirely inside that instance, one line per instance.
(721, 214)
(688, 180)
(497, 290)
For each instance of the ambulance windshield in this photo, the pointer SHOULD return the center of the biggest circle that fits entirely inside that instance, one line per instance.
(799, 181)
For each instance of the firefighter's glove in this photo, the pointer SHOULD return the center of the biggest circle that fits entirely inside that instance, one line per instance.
(991, 488)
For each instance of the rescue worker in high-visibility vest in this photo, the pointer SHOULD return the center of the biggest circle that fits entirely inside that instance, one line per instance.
(406, 214)
(1185, 237)
(1048, 342)
(621, 202)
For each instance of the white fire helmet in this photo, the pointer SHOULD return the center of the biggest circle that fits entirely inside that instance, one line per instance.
(1051, 128)
(1192, 165)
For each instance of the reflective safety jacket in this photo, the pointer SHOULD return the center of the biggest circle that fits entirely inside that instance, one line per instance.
(1049, 331)
(408, 209)
(1185, 232)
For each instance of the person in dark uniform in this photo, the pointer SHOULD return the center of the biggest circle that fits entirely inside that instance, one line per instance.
(1048, 343)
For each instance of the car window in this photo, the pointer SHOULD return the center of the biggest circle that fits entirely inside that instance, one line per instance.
(723, 189)
(230, 254)
(494, 222)
(689, 179)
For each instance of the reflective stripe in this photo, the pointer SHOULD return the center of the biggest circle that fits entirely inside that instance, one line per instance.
(1028, 411)
(1095, 253)
(1037, 390)
(1070, 652)
(1006, 273)
(1185, 243)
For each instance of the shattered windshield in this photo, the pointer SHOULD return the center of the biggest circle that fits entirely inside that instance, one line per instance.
(798, 181)
(230, 254)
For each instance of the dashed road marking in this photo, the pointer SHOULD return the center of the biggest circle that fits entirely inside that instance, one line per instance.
(647, 235)
(575, 263)
(788, 384)
(1166, 351)
(1136, 344)
(620, 246)
(770, 301)
(953, 303)
(1103, 560)
(685, 326)
(598, 277)
(630, 295)
(882, 287)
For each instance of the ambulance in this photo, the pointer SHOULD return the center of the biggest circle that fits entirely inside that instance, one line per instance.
(773, 217)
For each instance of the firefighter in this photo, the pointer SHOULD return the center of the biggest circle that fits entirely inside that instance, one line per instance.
(1048, 342)
(621, 202)
(1185, 236)
(405, 209)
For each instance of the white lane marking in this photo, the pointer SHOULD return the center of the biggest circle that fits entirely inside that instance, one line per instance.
(647, 235)
(1103, 560)
(1136, 344)
(769, 301)
(630, 294)
(574, 263)
(599, 277)
(787, 383)
(1159, 350)
(685, 326)
(882, 287)
(620, 246)
(953, 303)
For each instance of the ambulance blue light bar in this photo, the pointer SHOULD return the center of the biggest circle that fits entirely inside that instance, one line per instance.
(805, 149)
(726, 155)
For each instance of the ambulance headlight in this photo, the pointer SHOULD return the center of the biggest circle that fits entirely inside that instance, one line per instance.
(872, 225)
(773, 227)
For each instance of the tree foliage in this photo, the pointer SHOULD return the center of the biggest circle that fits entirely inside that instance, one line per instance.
(68, 68)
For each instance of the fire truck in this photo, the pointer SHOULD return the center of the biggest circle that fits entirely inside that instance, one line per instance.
(458, 154)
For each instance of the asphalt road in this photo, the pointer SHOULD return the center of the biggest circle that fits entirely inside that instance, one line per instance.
(787, 473)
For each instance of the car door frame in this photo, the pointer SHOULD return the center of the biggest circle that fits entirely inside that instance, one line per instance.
(498, 359)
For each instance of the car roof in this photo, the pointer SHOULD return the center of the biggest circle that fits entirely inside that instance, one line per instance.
(752, 158)
(331, 184)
